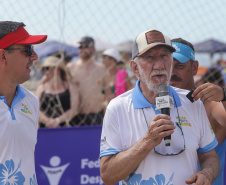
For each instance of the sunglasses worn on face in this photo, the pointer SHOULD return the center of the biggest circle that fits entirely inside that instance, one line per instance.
(84, 47)
(28, 49)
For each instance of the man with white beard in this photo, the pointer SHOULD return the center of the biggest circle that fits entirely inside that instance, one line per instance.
(132, 147)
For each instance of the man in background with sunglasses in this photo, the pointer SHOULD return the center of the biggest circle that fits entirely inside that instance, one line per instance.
(132, 147)
(19, 108)
(92, 78)
(185, 67)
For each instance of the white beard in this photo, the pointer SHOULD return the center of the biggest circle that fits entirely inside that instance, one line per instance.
(149, 83)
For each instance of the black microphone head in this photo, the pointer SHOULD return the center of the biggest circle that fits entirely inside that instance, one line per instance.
(163, 90)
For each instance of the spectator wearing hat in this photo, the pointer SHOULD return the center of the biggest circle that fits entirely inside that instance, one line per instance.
(133, 149)
(63, 54)
(58, 95)
(119, 80)
(212, 93)
(19, 108)
(91, 76)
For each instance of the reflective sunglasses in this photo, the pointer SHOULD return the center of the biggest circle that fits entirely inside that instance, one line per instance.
(28, 49)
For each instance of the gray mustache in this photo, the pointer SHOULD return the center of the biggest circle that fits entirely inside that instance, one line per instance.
(175, 78)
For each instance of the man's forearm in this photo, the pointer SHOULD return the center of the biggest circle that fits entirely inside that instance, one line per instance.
(117, 167)
(209, 164)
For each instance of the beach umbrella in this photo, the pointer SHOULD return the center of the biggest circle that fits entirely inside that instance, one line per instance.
(50, 47)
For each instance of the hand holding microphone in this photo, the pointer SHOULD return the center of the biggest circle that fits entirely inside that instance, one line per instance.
(165, 103)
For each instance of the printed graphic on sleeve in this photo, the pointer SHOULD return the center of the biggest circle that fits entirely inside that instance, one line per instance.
(9, 175)
(135, 179)
(211, 128)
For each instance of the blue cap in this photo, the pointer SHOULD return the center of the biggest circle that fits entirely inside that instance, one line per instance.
(183, 52)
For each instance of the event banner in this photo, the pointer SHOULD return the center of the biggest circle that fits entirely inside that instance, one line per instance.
(68, 156)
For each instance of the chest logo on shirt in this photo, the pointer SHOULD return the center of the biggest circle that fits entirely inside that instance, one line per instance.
(25, 109)
(182, 121)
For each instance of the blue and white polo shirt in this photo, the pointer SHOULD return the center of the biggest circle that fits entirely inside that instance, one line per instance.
(18, 136)
(125, 124)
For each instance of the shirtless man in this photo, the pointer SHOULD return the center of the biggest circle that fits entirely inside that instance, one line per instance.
(184, 69)
(92, 77)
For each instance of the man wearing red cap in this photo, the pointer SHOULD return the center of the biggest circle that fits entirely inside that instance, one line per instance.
(19, 108)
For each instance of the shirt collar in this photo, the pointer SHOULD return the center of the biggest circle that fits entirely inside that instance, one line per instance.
(139, 101)
(20, 94)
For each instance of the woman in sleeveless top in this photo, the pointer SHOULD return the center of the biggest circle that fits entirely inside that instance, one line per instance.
(119, 80)
(57, 105)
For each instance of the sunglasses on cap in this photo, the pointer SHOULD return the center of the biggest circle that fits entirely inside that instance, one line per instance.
(28, 49)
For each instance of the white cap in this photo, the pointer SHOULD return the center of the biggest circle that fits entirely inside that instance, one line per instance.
(149, 39)
(113, 53)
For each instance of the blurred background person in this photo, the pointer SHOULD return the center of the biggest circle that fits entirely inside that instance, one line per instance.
(63, 54)
(119, 80)
(198, 77)
(213, 75)
(91, 76)
(220, 64)
(58, 95)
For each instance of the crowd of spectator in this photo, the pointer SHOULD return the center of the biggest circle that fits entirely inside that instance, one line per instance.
(76, 93)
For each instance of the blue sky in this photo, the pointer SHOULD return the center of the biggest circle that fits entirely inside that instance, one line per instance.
(116, 21)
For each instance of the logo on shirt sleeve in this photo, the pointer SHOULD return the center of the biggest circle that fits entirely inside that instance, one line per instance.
(103, 144)
(211, 129)
(25, 109)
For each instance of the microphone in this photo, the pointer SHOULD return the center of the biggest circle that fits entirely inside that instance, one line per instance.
(165, 103)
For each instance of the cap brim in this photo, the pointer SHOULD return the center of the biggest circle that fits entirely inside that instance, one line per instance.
(48, 65)
(33, 39)
(171, 48)
(181, 58)
(84, 42)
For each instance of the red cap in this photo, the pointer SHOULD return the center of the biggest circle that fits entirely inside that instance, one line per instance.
(21, 36)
